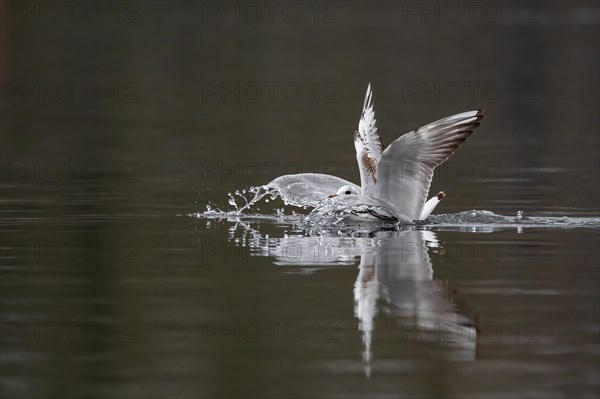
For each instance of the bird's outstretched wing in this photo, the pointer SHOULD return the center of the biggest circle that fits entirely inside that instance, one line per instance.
(405, 169)
(368, 145)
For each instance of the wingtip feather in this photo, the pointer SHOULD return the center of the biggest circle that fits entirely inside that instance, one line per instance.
(368, 103)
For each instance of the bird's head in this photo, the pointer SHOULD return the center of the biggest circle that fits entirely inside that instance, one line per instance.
(345, 190)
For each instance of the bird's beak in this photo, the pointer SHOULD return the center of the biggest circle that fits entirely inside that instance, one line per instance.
(333, 195)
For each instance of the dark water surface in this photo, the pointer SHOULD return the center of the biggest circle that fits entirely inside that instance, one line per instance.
(110, 289)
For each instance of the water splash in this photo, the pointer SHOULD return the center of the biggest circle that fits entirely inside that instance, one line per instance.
(357, 210)
(255, 194)
(244, 200)
(476, 220)
(487, 218)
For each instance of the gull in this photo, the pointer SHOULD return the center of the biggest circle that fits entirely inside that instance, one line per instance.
(398, 177)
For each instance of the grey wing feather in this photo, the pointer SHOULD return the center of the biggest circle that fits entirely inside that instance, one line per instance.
(368, 145)
(406, 167)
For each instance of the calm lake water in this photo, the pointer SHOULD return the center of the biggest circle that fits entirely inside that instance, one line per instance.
(119, 121)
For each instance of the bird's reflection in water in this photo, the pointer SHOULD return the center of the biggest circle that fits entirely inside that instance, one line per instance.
(395, 277)
(399, 279)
